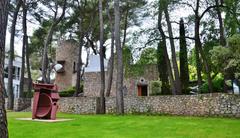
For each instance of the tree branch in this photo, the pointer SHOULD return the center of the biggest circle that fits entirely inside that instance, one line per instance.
(92, 45)
(187, 37)
(63, 13)
(209, 8)
(188, 4)
(150, 41)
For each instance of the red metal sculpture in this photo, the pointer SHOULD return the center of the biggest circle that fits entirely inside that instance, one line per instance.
(45, 101)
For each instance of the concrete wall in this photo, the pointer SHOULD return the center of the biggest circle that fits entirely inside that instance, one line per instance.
(193, 105)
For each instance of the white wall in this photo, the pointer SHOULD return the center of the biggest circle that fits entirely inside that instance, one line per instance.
(17, 63)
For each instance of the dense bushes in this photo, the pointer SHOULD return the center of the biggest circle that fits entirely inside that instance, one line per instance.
(217, 85)
(68, 92)
(156, 87)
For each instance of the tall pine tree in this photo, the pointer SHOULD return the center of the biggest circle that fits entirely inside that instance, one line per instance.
(163, 75)
(184, 71)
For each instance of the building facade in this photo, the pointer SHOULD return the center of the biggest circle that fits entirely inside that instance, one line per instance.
(67, 53)
(67, 56)
(17, 63)
(139, 85)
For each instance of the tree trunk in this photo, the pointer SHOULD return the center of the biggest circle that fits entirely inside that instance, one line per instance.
(197, 44)
(29, 86)
(48, 41)
(79, 69)
(168, 63)
(25, 8)
(111, 61)
(50, 67)
(45, 55)
(222, 40)
(87, 62)
(102, 90)
(174, 59)
(28, 68)
(184, 71)
(198, 47)
(11, 58)
(25, 39)
(119, 85)
(207, 69)
(163, 75)
(3, 26)
(79, 63)
(198, 64)
(169, 69)
(125, 25)
(221, 27)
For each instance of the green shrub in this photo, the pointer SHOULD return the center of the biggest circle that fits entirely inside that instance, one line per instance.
(217, 85)
(156, 87)
(186, 91)
(68, 92)
(204, 88)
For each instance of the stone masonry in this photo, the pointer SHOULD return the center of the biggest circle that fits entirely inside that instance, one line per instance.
(19, 103)
(92, 81)
(66, 54)
(216, 104)
(92, 84)
(78, 105)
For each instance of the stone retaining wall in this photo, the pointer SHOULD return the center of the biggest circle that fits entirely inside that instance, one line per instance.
(79, 105)
(193, 105)
(19, 103)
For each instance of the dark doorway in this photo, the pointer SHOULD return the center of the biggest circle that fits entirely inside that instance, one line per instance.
(142, 90)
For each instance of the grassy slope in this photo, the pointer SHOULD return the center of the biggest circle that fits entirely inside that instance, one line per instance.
(130, 126)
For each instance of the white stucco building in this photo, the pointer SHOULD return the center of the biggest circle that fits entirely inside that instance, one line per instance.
(17, 63)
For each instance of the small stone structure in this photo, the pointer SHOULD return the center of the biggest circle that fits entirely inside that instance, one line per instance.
(92, 81)
(67, 56)
(19, 103)
(215, 104)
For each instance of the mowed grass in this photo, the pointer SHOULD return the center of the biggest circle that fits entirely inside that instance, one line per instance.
(128, 126)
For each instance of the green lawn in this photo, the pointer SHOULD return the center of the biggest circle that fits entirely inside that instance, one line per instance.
(129, 126)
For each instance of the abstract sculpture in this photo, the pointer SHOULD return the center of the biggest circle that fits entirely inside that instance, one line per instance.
(45, 101)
